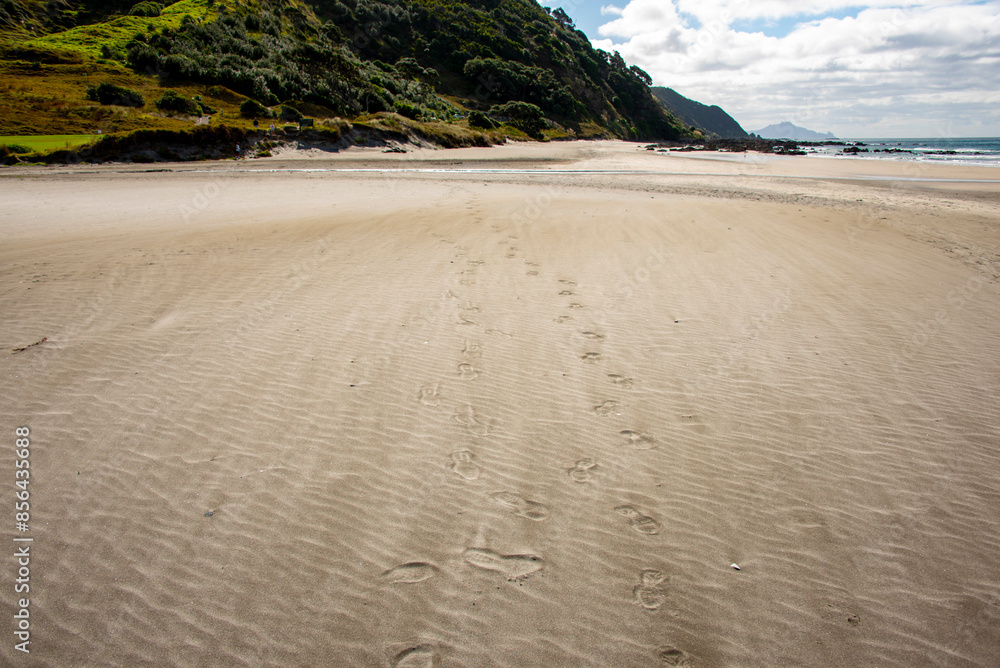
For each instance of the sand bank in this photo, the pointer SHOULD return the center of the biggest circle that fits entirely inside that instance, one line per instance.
(420, 418)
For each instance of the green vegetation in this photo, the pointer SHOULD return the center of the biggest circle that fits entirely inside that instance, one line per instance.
(109, 93)
(42, 143)
(172, 101)
(462, 72)
(148, 9)
(254, 109)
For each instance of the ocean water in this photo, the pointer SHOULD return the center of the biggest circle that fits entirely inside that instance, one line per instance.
(983, 151)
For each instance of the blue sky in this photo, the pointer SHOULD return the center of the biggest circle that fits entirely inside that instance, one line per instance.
(881, 68)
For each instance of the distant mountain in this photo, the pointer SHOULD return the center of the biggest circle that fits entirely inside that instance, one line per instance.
(787, 130)
(712, 120)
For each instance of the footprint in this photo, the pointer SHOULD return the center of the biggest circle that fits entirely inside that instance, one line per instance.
(462, 320)
(593, 336)
(472, 349)
(532, 263)
(607, 408)
(531, 273)
(510, 256)
(522, 507)
(514, 566)
(462, 464)
(421, 656)
(563, 318)
(567, 282)
(581, 470)
(429, 395)
(671, 656)
(641, 523)
(466, 281)
(566, 292)
(470, 308)
(466, 416)
(590, 358)
(620, 380)
(467, 372)
(411, 572)
(499, 332)
(576, 305)
(477, 263)
(639, 440)
(647, 593)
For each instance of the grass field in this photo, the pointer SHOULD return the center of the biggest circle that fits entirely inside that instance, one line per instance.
(117, 32)
(41, 143)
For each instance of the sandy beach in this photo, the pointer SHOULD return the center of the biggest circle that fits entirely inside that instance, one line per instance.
(576, 404)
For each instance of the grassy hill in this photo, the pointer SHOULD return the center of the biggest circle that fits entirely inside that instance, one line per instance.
(489, 67)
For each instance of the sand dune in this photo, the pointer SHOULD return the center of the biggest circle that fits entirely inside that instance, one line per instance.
(327, 418)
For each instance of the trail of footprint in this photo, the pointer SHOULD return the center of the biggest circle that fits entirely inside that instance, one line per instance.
(590, 358)
(522, 507)
(420, 656)
(467, 372)
(472, 349)
(466, 416)
(606, 408)
(581, 470)
(620, 380)
(462, 464)
(593, 336)
(411, 572)
(513, 566)
(638, 521)
(429, 396)
(647, 593)
(671, 656)
(639, 440)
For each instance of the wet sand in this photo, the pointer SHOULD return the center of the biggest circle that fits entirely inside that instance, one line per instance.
(525, 417)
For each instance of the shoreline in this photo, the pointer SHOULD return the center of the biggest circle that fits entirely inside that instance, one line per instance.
(522, 416)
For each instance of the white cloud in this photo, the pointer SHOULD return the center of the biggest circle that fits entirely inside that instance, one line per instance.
(916, 68)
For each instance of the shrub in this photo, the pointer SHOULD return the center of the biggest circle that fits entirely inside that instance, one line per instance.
(172, 101)
(147, 9)
(15, 148)
(254, 109)
(522, 115)
(478, 119)
(409, 110)
(108, 93)
(290, 113)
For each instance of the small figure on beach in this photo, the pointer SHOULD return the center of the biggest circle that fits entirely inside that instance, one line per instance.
(237, 152)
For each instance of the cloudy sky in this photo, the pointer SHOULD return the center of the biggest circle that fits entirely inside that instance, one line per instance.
(857, 68)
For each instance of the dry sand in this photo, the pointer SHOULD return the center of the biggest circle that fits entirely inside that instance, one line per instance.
(327, 418)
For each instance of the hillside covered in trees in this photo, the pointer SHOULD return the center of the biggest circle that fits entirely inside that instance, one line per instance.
(501, 66)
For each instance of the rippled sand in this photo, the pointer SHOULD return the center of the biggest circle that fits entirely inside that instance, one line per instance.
(326, 418)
